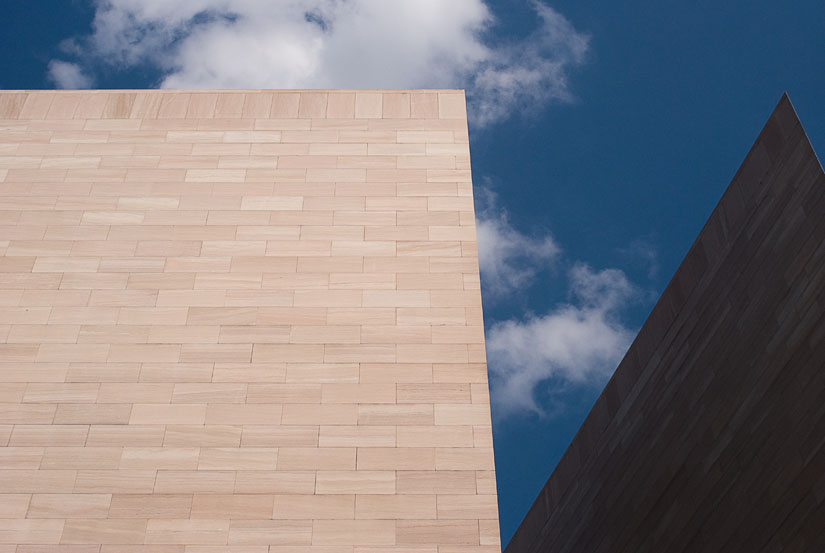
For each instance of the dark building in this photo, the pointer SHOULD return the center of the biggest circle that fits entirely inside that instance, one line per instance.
(710, 436)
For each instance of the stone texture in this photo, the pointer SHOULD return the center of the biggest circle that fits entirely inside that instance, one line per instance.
(242, 319)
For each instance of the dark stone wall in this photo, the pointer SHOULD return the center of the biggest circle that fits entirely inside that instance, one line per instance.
(710, 436)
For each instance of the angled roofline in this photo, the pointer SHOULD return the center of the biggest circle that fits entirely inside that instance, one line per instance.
(782, 130)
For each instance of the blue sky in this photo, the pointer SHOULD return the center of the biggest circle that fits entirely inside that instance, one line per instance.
(602, 135)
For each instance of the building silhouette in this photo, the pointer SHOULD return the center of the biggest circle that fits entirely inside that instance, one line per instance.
(710, 436)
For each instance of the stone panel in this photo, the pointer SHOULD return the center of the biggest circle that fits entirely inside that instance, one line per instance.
(240, 319)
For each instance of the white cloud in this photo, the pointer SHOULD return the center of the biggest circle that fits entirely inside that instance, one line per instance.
(577, 343)
(508, 259)
(531, 72)
(339, 44)
(68, 75)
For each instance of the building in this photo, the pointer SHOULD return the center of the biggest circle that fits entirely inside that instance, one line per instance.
(241, 321)
(710, 436)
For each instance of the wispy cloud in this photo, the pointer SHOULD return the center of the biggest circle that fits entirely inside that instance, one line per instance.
(333, 44)
(577, 343)
(68, 75)
(508, 258)
(528, 73)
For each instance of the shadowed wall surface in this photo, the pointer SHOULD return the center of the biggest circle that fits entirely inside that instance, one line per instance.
(710, 435)
(241, 321)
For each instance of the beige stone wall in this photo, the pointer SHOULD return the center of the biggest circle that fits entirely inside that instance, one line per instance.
(241, 321)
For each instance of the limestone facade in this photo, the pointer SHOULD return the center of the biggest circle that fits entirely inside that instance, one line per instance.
(241, 321)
